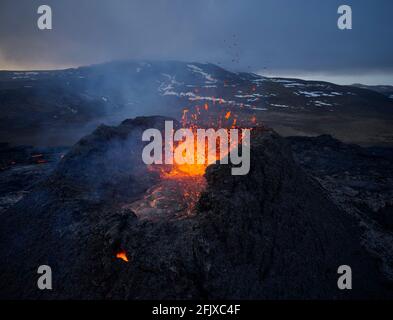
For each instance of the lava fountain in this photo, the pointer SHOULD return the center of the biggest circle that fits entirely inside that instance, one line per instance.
(181, 184)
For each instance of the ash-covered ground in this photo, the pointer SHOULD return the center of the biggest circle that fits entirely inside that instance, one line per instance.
(307, 206)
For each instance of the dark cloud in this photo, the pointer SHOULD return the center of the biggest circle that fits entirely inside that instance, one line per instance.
(279, 35)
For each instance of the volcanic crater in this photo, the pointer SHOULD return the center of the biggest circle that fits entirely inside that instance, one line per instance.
(112, 228)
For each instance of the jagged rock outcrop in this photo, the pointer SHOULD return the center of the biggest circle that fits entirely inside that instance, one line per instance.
(360, 181)
(273, 233)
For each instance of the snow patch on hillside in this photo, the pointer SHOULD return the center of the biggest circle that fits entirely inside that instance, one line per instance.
(322, 104)
(167, 87)
(279, 105)
(316, 94)
(209, 78)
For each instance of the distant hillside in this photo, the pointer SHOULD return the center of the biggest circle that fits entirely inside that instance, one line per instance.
(385, 90)
(58, 107)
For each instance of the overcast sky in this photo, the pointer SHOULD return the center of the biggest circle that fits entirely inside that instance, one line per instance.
(273, 37)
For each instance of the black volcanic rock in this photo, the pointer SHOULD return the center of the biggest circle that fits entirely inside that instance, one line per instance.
(273, 233)
(360, 181)
(53, 223)
(276, 234)
(108, 160)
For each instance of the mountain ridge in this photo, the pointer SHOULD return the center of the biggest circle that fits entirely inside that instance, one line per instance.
(47, 103)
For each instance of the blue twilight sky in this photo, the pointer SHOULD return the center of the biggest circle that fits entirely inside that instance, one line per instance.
(297, 38)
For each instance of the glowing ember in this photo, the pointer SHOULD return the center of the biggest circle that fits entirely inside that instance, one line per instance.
(122, 255)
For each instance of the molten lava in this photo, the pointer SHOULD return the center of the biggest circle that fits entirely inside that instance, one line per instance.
(199, 164)
(122, 255)
(181, 184)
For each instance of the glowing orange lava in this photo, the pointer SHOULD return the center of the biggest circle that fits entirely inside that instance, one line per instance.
(203, 154)
(122, 255)
(183, 183)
